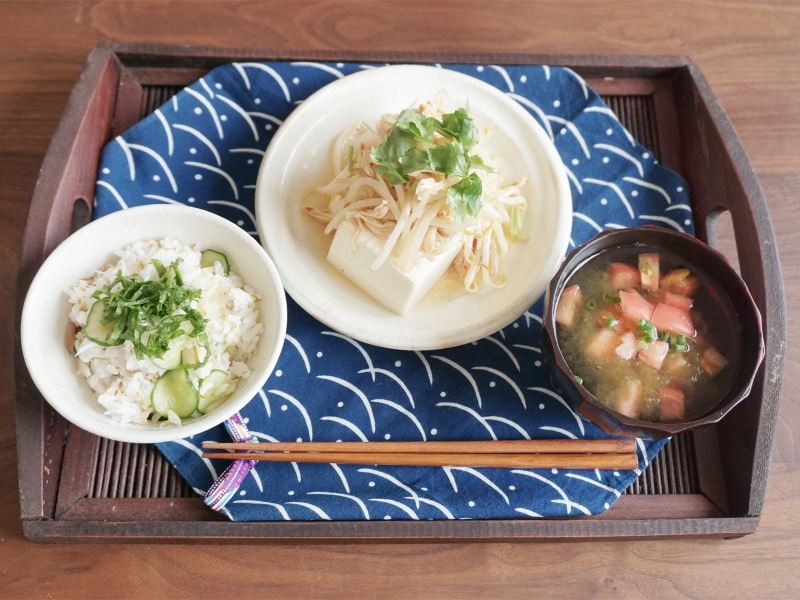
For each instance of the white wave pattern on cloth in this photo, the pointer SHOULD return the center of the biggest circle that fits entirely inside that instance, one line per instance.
(203, 147)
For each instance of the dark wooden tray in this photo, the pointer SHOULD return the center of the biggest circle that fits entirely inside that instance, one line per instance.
(710, 483)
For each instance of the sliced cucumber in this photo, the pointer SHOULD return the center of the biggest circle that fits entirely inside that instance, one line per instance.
(95, 329)
(174, 391)
(209, 257)
(172, 358)
(215, 387)
(194, 354)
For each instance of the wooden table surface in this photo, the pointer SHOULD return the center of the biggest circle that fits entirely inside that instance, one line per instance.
(749, 53)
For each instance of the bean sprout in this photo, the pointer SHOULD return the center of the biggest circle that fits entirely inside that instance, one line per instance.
(414, 218)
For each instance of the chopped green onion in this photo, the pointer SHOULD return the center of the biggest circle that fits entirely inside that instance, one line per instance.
(648, 331)
(677, 343)
(610, 322)
(591, 304)
(611, 298)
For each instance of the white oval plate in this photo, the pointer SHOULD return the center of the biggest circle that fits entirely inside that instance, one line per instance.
(298, 160)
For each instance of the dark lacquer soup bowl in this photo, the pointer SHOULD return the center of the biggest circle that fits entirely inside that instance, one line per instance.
(650, 332)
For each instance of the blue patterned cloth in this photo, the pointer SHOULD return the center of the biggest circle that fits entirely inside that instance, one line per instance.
(203, 148)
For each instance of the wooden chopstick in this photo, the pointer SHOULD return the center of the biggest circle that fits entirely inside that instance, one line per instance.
(558, 446)
(531, 454)
(409, 459)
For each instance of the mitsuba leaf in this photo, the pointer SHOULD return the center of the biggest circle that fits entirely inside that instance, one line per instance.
(464, 198)
(449, 159)
(415, 123)
(462, 127)
(415, 160)
(412, 146)
(390, 155)
(476, 162)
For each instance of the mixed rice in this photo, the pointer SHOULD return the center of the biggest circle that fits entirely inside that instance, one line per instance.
(123, 383)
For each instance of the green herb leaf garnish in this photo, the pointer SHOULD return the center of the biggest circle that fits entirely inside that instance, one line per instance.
(420, 143)
(464, 198)
(150, 314)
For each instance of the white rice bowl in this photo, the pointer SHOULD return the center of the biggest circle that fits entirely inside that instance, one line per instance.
(106, 390)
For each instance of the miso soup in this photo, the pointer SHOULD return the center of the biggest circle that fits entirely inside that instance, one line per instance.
(651, 338)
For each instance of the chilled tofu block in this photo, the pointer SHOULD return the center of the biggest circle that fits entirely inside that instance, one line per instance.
(353, 252)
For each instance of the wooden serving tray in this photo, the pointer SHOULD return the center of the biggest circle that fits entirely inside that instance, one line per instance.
(710, 483)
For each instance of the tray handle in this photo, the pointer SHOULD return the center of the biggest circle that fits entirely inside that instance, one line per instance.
(61, 203)
(727, 194)
(71, 160)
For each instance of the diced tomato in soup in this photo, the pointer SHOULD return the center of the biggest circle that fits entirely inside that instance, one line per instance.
(680, 281)
(623, 276)
(677, 300)
(667, 317)
(634, 306)
(672, 404)
(628, 326)
(649, 270)
(568, 304)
